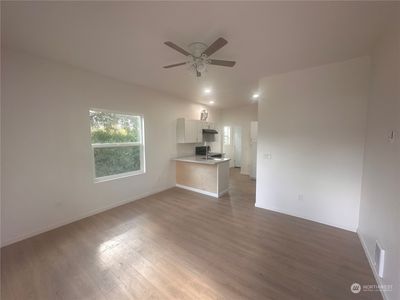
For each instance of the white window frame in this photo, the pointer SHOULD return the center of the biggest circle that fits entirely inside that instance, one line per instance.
(141, 143)
(230, 136)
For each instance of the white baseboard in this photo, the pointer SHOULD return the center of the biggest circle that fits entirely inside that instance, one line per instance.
(82, 216)
(371, 264)
(223, 192)
(352, 229)
(215, 195)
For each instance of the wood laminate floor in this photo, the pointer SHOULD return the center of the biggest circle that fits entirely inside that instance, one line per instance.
(181, 245)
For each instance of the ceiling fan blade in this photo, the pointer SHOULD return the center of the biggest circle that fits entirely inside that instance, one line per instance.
(174, 65)
(177, 48)
(225, 63)
(214, 47)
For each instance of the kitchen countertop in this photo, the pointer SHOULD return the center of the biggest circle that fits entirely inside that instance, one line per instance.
(200, 159)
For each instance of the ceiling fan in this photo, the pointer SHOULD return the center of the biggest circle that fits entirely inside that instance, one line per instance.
(199, 55)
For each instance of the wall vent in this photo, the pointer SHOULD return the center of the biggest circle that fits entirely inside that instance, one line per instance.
(379, 259)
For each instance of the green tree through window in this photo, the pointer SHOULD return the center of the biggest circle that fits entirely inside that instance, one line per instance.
(117, 141)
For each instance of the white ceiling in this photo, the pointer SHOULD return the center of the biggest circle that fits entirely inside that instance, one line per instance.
(124, 40)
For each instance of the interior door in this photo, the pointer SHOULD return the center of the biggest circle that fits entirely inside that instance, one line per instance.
(253, 149)
(237, 145)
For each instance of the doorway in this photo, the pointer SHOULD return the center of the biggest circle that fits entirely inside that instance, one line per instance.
(237, 146)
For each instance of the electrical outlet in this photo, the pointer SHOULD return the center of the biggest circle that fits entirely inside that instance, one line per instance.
(300, 197)
(267, 156)
(392, 136)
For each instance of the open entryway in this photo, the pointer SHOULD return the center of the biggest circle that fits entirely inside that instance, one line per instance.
(237, 146)
(239, 142)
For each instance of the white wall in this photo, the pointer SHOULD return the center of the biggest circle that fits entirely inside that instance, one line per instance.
(310, 142)
(47, 164)
(242, 117)
(380, 200)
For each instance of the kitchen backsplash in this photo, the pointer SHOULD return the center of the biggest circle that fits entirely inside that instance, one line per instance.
(189, 149)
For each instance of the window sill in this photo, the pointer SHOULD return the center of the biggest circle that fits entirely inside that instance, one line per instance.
(118, 176)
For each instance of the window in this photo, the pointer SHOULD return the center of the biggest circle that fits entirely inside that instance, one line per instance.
(227, 135)
(117, 143)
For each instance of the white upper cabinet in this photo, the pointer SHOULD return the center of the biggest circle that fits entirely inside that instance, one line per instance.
(191, 131)
(187, 131)
(207, 125)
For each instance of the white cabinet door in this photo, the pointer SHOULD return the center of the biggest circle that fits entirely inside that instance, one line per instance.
(180, 130)
(199, 132)
(208, 125)
(189, 131)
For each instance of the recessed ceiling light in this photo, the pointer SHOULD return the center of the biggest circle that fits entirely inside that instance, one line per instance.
(255, 96)
(211, 102)
(207, 91)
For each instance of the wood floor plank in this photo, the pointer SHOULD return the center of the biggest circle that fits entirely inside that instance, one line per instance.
(182, 245)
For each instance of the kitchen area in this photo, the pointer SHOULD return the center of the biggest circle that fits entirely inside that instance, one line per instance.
(204, 171)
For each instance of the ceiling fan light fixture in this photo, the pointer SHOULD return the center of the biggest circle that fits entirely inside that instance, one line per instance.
(199, 56)
(201, 67)
(256, 96)
(197, 48)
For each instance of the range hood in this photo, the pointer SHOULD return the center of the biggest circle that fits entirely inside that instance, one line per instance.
(210, 131)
